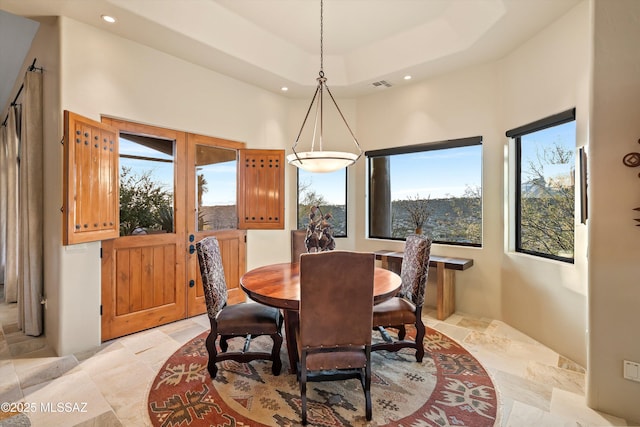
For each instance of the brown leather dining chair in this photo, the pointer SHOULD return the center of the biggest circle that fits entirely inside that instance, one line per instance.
(230, 321)
(406, 308)
(298, 244)
(334, 333)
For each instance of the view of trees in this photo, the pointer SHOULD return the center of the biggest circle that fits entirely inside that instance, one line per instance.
(309, 197)
(418, 210)
(548, 202)
(145, 205)
(452, 219)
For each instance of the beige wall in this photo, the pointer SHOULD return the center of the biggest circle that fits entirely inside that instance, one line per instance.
(614, 243)
(548, 74)
(458, 105)
(106, 75)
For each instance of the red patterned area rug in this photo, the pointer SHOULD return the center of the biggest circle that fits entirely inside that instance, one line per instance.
(449, 388)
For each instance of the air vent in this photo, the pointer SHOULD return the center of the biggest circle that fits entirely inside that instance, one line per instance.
(381, 83)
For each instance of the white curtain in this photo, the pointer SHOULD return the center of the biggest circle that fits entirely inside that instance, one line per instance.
(3, 201)
(11, 214)
(30, 278)
(23, 241)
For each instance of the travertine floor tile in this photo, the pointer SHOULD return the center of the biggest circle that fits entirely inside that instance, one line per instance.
(452, 331)
(473, 324)
(567, 404)
(556, 377)
(39, 370)
(65, 401)
(565, 363)
(525, 415)
(536, 386)
(107, 419)
(519, 389)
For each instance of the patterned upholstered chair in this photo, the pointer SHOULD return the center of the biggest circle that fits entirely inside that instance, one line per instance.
(229, 321)
(334, 333)
(406, 308)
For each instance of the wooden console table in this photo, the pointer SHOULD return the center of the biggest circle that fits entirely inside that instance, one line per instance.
(445, 277)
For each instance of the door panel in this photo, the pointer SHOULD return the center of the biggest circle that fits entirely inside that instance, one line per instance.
(233, 249)
(90, 180)
(139, 286)
(212, 211)
(261, 189)
(144, 270)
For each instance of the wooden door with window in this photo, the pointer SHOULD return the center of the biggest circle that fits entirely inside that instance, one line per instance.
(175, 189)
(144, 270)
(212, 170)
(172, 189)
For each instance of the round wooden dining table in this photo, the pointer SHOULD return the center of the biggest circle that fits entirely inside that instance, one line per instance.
(278, 285)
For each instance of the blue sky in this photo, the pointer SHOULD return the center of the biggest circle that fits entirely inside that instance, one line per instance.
(432, 174)
(331, 185)
(436, 174)
(429, 174)
(221, 177)
(532, 144)
(221, 183)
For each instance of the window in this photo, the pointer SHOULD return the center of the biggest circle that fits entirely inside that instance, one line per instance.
(146, 185)
(328, 191)
(216, 170)
(434, 189)
(545, 186)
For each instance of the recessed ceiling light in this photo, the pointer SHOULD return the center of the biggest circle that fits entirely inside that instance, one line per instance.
(109, 19)
(284, 88)
(407, 77)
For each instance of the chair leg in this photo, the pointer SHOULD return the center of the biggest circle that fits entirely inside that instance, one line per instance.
(224, 346)
(275, 354)
(303, 391)
(420, 332)
(402, 332)
(211, 349)
(367, 389)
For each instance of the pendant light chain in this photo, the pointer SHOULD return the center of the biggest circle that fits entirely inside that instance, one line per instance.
(319, 160)
(321, 39)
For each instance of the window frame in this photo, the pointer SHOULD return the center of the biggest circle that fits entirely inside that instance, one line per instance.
(516, 134)
(418, 148)
(346, 204)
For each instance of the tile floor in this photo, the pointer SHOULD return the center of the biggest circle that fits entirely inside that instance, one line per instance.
(537, 387)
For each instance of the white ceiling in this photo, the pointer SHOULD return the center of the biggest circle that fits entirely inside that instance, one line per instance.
(275, 43)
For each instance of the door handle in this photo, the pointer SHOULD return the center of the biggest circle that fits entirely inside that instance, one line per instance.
(192, 283)
(192, 249)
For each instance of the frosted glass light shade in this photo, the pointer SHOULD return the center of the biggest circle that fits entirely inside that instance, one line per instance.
(322, 161)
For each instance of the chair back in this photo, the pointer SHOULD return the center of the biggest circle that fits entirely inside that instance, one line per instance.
(212, 273)
(336, 299)
(415, 268)
(298, 245)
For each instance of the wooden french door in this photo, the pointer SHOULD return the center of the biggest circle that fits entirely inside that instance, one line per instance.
(212, 170)
(151, 277)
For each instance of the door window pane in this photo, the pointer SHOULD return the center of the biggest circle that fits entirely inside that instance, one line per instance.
(216, 172)
(146, 185)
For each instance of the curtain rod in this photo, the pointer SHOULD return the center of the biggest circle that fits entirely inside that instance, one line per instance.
(32, 67)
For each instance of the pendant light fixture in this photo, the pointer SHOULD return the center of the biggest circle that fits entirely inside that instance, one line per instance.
(320, 160)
